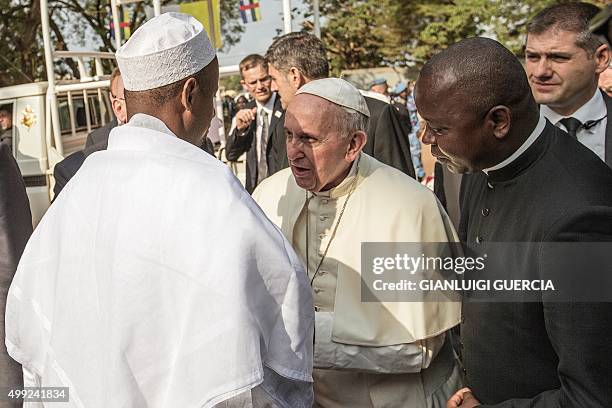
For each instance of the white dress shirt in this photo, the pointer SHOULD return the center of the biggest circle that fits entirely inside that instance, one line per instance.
(593, 138)
(268, 107)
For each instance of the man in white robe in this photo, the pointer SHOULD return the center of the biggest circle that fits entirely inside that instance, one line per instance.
(154, 280)
(332, 199)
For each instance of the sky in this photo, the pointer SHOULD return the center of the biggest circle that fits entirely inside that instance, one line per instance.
(259, 35)
(255, 39)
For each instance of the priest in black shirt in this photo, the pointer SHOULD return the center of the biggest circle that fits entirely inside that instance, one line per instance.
(529, 183)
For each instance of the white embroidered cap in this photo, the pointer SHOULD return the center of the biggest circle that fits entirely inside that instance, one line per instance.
(337, 91)
(164, 50)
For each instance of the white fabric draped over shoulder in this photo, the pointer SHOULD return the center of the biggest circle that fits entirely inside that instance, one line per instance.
(155, 280)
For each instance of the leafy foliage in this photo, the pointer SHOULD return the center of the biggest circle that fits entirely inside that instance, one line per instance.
(21, 49)
(371, 33)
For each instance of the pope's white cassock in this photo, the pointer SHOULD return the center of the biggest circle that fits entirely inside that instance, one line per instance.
(368, 354)
(156, 281)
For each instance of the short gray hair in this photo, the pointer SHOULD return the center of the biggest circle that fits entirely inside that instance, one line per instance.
(301, 50)
(351, 121)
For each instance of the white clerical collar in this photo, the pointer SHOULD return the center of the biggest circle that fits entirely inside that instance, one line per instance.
(594, 109)
(530, 140)
(268, 106)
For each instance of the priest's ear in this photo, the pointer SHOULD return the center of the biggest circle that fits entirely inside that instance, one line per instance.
(357, 140)
(499, 119)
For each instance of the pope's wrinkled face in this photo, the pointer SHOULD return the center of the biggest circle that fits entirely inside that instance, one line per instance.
(561, 74)
(316, 149)
(457, 134)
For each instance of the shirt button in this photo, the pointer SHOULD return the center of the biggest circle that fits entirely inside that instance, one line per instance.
(317, 290)
(324, 201)
(479, 239)
(322, 235)
(323, 217)
(485, 212)
(322, 272)
(321, 252)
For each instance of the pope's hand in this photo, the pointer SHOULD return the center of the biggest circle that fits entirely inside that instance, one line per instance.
(244, 117)
(463, 399)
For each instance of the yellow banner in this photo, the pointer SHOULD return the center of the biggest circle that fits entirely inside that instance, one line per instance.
(199, 9)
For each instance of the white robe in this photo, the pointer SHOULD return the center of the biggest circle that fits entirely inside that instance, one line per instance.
(155, 280)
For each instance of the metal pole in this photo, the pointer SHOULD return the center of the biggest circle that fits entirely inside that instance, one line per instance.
(51, 96)
(116, 24)
(211, 23)
(157, 7)
(287, 15)
(316, 15)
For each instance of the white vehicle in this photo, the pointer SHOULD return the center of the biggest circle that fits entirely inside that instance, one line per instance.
(52, 119)
(37, 146)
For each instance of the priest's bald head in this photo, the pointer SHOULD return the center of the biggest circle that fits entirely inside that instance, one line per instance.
(325, 126)
(476, 103)
(170, 71)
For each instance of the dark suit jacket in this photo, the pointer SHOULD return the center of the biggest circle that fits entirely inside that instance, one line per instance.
(15, 229)
(6, 137)
(541, 354)
(67, 168)
(100, 135)
(276, 154)
(388, 135)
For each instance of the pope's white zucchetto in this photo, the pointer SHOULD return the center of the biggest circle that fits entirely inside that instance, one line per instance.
(164, 50)
(337, 91)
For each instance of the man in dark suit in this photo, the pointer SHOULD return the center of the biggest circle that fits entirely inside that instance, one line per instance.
(530, 183)
(563, 60)
(15, 229)
(259, 128)
(67, 168)
(297, 58)
(96, 140)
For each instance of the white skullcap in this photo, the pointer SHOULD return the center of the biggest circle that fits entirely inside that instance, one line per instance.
(337, 91)
(164, 50)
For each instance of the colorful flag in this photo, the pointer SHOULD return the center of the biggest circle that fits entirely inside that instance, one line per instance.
(199, 9)
(124, 25)
(250, 11)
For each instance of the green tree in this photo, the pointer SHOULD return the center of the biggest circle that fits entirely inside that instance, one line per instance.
(447, 22)
(21, 49)
(362, 34)
(371, 33)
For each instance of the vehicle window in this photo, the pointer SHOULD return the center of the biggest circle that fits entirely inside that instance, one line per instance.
(96, 113)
